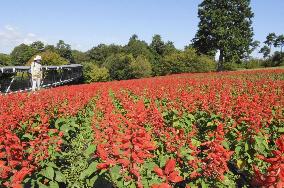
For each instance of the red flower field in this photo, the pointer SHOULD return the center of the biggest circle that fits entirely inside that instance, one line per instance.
(188, 130)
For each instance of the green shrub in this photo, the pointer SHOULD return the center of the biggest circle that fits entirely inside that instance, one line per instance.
(5, 59)
(203, 64)
(118, 66)
(231, 66)
(50, 58)
(187, 61)
(253, 64)
(93, 73)
(141, 67)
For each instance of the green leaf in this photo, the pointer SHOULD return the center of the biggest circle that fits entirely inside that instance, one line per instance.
(149, 165)
(114, 172)
(281, 130)
(90, 150)
(195, 142)
(29, 136)
(238, 149)
(40, 185)
(89, 171)
(59, 122)
(225, 144)
(132, 185)
(48, 172)
(92, 181)
(204, 184)
(261, 144)
(246, 146)
(53, 184)
(163, 160)
(59, 177)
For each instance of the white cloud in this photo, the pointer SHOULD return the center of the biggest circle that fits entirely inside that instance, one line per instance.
(12, 36)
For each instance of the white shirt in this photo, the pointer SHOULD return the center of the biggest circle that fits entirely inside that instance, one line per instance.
(36, 70)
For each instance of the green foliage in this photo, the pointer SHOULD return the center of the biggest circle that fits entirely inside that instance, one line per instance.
(38, 46)
(22, 54)
(231, 66)
(265, 50)
(119, 66)
(279, 42)
(101, 52)
(141, 67)
(224, 26)
(157, 45)
(270, 39)
(253, 63)
(5, 59)
(50, 58)
(136, 47)
(64, 50)
(185, 61)
(93, 73)
(277, 59)
(203, 63)
(79, 57)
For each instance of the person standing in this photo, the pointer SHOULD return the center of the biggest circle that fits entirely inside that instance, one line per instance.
(36, 72)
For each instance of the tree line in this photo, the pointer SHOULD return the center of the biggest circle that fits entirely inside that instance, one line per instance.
(136, 59)
(224, 31)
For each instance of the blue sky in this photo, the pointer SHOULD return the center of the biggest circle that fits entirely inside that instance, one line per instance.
(86, 23)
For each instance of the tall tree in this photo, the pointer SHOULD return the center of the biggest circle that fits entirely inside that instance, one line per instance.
(38, 46)
(21, 54)
(79, 56)
(270, 39)
(279, 42)
(265, 50)
(5, 59)
(65, 50)
(101, 52)
(158, 45)
(226, 27)
(138, 47)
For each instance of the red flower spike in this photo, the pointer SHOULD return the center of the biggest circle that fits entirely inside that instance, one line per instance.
(162, 185)
(170, 166)
(102, 166)
(159, 172)
(174, 177)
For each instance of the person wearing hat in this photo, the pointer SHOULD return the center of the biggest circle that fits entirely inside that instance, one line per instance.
(36, 72)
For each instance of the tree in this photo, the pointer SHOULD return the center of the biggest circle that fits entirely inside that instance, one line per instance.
(93, 73)
(226, 27)
(50, 48)
(64, 50)
(21, 54)
(79, 57)
(101, 52)
(270, 40)
(185, 61)
(50, 58)
(254, 45)
(38, 46)
(141, 67)
(137, 47)
(265, 50)
(203, 63)
(169, 48)
(279, 42)
(157, 45)
(119, 66)
(5, 59)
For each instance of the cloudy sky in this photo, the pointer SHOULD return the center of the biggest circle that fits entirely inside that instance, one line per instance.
(86, 23)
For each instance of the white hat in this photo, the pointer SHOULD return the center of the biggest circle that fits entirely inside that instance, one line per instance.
(38, 57)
